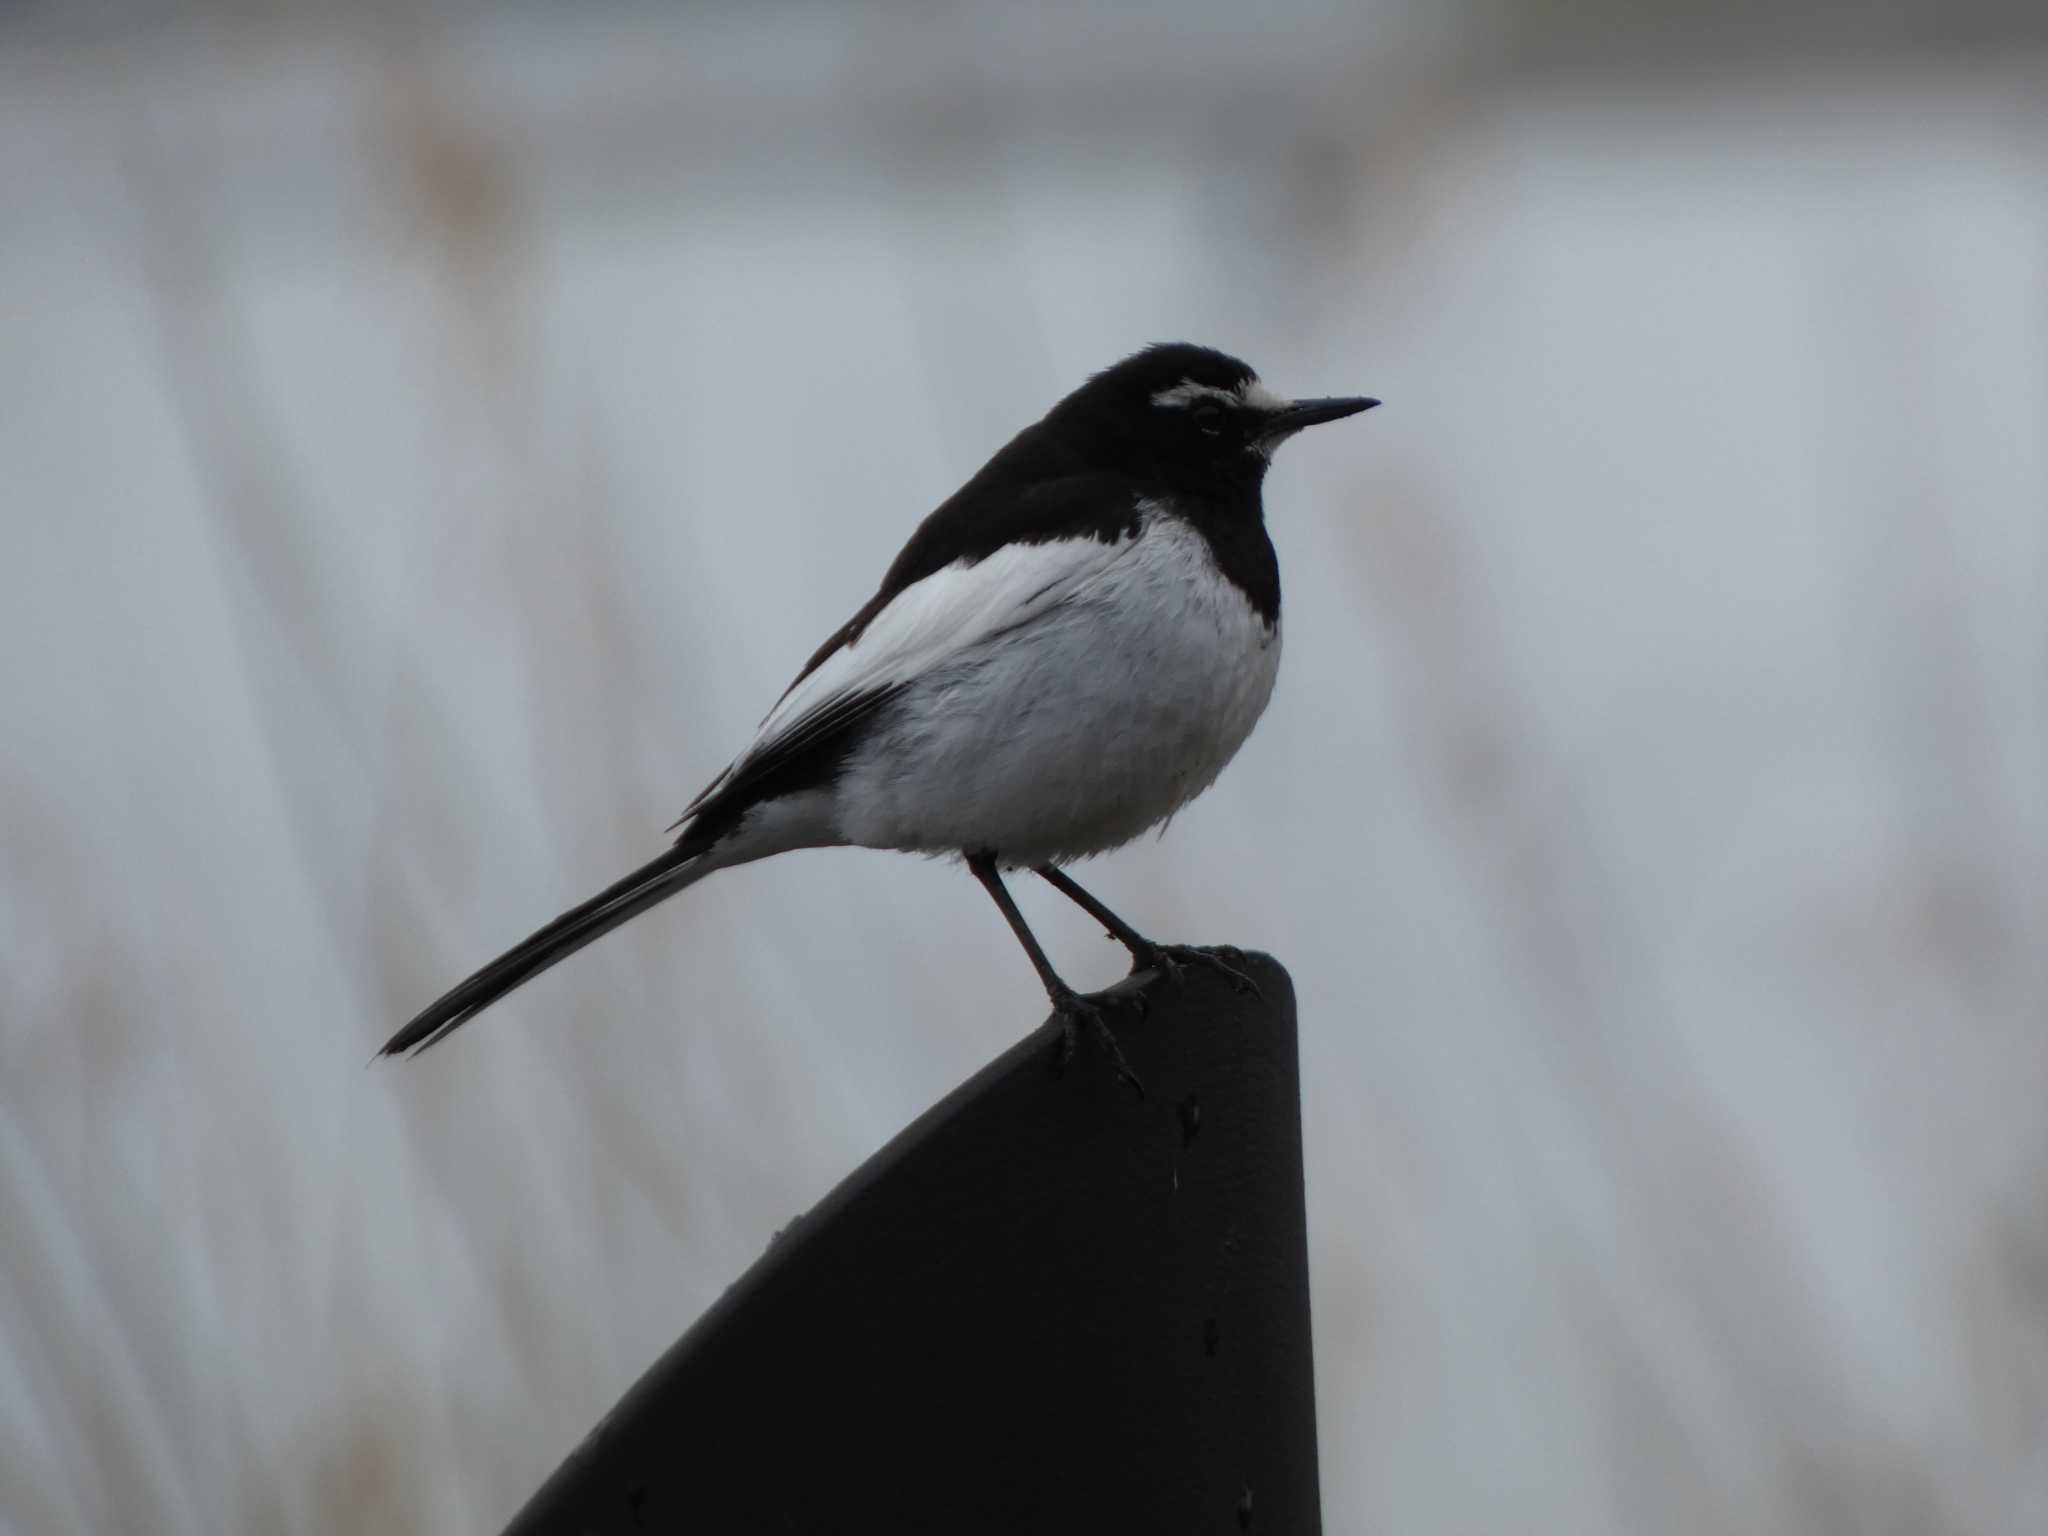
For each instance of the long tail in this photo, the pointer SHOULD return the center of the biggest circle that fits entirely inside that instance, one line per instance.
(652, 882)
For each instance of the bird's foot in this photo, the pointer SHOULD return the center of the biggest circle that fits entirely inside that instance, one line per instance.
(1073, 1010)
(1173, 960)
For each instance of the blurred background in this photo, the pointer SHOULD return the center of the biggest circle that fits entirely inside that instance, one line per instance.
(430, 437)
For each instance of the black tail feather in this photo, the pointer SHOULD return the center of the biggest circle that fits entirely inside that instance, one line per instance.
(652, 882)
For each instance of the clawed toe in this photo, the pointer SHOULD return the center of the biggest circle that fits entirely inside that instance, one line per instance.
(1173, 960)
(1073, 1010)
(1160, 958)
(1070, 1034)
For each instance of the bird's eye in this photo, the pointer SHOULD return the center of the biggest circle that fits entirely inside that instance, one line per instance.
(1209, 417)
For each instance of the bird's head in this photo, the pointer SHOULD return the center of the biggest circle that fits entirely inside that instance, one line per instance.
(1188, 415)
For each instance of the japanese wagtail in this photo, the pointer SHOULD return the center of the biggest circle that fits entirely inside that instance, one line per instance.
(1067, 651)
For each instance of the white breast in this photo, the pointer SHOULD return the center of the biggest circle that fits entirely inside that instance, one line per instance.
(1079, 729)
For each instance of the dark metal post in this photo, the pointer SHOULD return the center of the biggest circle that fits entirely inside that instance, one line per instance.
(1045, 1306)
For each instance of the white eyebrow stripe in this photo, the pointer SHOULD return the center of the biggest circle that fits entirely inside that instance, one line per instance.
(1187, 392)
(1258, 397)
(1250, 393)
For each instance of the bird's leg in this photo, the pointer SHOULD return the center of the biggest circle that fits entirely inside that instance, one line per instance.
(1070, 1007)
(1167, 959)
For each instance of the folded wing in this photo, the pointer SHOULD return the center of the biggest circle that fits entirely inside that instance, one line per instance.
(936, 621)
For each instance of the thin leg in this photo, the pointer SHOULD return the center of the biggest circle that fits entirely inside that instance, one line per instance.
(1071, 1007)
(1167, 959)
(1141, 948)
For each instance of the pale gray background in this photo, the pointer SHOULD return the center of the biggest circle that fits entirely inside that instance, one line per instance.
(428, 442)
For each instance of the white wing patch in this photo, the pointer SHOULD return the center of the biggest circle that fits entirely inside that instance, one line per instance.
(932, 623)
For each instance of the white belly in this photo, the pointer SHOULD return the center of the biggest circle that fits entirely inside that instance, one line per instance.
(1075, 734)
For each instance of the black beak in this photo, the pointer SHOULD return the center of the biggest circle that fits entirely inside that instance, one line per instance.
(1291, 418)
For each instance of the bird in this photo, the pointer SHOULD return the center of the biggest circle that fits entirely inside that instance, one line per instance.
(1069, 649)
